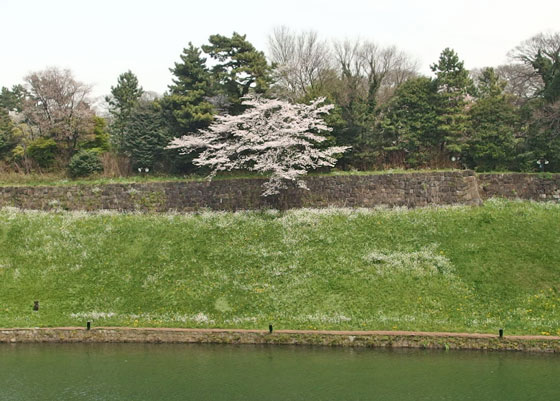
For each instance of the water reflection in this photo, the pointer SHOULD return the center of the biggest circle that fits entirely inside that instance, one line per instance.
(220, 372)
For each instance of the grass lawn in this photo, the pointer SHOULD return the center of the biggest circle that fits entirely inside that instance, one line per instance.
(473, 269)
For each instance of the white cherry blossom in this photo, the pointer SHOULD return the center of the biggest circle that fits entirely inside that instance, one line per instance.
(271, 137)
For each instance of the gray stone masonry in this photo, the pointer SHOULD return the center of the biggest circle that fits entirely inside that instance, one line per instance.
(409, 190)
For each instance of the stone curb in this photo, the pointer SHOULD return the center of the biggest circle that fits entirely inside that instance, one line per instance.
(370, 339)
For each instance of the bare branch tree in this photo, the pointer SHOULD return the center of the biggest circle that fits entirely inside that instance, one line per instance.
(547, 44)
(303, 61)
(371, 71)
(58, 106)
(522, 81)
(541, 54)
(351, 69)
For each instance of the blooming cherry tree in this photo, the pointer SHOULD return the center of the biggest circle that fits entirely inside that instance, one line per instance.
(271, 137)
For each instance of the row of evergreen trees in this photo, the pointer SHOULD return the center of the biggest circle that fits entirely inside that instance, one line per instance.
(142, 127)
(455, 118)
(477, 119)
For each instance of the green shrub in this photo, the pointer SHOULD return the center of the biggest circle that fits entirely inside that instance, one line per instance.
(100, 140)
(42, 151)
(84, 163)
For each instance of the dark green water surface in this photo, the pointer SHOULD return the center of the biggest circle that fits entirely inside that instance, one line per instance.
(221, 372)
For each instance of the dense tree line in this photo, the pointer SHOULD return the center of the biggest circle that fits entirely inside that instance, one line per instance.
(497, 118)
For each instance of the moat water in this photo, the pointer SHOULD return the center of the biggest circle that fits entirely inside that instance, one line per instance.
(225, 372)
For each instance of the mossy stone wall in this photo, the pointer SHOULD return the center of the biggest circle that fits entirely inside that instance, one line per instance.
(410, 190)
(537, 187)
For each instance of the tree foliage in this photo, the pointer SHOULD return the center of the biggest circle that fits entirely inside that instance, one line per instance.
(42, 151)
(454, 86)
(85, 163)
(122, 101)
(7, 134)
(100, 140)
(381, 110)
(239, 68)
(408, 123)
(271, 137)
(543, 136)
(146, 136)
(12, 100)
(494, 126)
(188, 99)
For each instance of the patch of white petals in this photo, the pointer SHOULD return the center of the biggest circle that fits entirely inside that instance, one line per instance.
(426, 261)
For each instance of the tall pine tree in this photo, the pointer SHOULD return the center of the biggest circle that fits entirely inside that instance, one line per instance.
(240, 68)
(124, 98)
(146, 136)
(407, 125)
(494, 124)
(454, 87)
(187, 103)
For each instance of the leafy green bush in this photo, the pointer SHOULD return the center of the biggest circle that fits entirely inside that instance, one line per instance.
(84, 163)
(42, 151)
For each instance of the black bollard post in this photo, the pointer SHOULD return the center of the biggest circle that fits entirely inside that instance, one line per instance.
(501, 332)
(88, 325)
(270, 328)
(36, 305)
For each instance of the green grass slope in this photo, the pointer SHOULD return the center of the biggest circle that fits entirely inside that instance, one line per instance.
(473, 269)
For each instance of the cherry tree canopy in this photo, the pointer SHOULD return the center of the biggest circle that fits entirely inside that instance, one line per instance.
(272, 136)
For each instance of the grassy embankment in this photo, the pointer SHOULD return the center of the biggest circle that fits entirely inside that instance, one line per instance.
(446, 269)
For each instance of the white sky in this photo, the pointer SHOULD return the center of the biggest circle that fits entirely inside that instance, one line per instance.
(98, 40)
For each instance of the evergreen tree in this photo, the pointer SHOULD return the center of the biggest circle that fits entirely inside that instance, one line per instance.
(146, 135)
(356, 132)
(240, 68)
(407, 124)
(7, 134)
(187, 101)
(454, 87)
(490, 84)
(543, 136)
(548, 68)
(12, 99)
(494, 119)
(124, 98)
(357, 111)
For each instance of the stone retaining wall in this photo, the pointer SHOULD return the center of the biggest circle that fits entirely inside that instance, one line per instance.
(411, 190)
(538, 187)
(369, 339)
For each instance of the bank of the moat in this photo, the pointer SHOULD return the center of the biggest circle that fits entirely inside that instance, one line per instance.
(369, 339)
